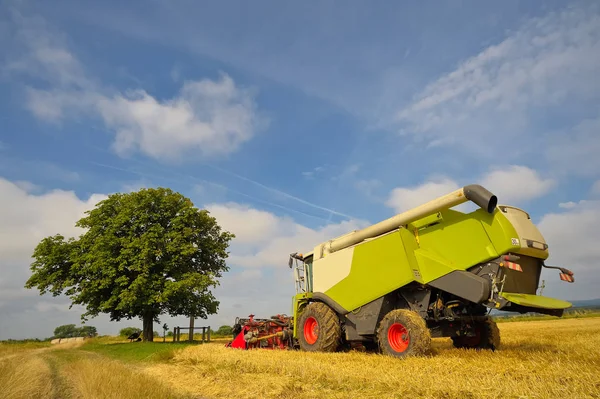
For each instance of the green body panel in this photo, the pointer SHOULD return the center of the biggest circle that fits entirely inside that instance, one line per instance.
(422, 252)
(461, 240)
(456, 244)
(378, 267)
(536, 301)
(499, 230)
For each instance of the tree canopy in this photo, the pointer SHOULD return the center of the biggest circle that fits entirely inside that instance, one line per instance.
(225, 331)
(127, 331)
(71, 330)
(142, 254)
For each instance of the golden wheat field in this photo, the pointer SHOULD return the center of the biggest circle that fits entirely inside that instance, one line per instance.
(538, 359)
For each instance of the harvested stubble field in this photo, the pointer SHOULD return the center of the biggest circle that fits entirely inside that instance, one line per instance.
(538, 359)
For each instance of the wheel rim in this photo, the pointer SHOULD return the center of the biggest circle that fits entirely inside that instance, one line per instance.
(472, 341)
(311, 330)
(398, 337)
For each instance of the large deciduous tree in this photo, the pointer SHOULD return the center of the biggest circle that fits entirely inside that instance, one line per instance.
(142, 254)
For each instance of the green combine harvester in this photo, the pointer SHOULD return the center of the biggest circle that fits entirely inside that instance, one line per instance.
(429, 272)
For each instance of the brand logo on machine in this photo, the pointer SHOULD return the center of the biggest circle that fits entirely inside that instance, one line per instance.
(514, 241)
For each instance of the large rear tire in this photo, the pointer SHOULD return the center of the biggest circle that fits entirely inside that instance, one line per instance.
(403, 333)
(486, 335)
(319, 328)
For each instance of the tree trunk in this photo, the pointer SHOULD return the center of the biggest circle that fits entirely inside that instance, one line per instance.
(191, 335)
(148, 327)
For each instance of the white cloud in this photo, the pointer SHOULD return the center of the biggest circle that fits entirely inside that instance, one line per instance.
(512, 184)
(491, 97)
(572, 237)
(574, 233)
(404, 198)
(266, 240)
(251, 226)
(516, 183)
(206, 118)
(27, 218)
(27, 186)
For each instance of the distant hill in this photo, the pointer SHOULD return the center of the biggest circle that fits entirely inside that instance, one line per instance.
(586, 303)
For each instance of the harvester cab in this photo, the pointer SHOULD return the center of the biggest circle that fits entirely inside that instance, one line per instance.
(431, 271)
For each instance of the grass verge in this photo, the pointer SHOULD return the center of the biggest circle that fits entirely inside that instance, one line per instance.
(136, 351)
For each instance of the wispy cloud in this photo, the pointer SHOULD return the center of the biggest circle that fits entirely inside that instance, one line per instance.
(207, 118)
(42, 52)
(493, 96)
(311, 174)
(576, 151)
(282, 193)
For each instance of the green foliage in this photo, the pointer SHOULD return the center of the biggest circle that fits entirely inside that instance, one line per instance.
(88, 331)
(65, 331)
(224, 331)
(71, 330)
(142, 254)
(127, 331)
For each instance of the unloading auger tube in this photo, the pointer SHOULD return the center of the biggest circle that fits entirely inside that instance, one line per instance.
(474, 193)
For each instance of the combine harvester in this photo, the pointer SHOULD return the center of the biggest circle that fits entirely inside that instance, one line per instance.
(429, 272)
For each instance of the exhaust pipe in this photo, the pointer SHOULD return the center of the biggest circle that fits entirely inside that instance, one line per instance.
(474, 192)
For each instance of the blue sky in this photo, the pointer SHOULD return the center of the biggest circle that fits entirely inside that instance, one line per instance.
(294, 123)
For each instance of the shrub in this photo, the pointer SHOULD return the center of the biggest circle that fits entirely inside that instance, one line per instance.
(127, 331)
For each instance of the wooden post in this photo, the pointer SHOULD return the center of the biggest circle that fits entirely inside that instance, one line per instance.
(191, 336)
(178, 333)
(208, 340)
(174, 333)
(203, 333)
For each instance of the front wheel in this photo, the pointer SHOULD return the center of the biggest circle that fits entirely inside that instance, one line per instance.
(484, 335)
(403, 333)
(319, 328)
